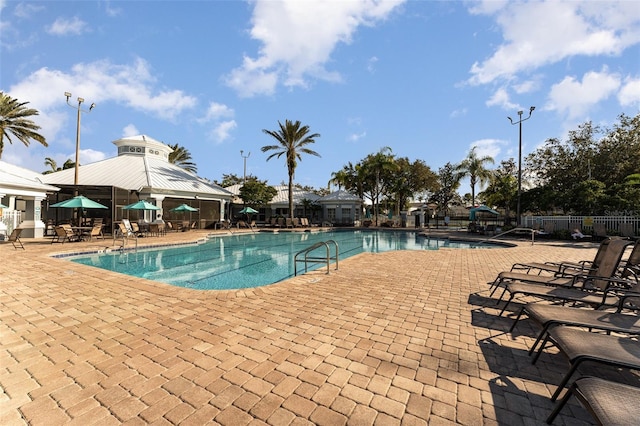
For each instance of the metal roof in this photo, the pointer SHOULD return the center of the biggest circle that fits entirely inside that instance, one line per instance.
(12, 176)
(340, 195)
(135, 171)
(282, 196)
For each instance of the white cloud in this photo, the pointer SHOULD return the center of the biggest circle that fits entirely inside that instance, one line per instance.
(630, 93)
(355, 137)
(295, 47)
(102, 81)
(541, 33)
(88, 156)
(488, 147)
(371, 64)
(63, 26)
(130, 130)
(501, 98)
(222, 131)
(26, 10)
(574, 98)
(459, 113)
(217, 111)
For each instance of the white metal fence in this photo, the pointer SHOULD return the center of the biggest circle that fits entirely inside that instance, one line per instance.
(10, 219)
(612, 223)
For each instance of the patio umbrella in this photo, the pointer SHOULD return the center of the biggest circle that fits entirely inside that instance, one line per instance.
(79, 202)
(184, 208)
(248, 210)
(141, 205)
(481, 209)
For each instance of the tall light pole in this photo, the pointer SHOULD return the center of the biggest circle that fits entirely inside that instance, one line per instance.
(519, 122)
(80, 110)
(244, 180)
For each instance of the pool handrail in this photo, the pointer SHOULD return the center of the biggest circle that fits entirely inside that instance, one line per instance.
(326, 259)
(495, 237)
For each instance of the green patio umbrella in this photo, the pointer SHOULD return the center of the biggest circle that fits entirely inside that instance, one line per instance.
(248, 210)
(79, 202)
(141, 205)
(184, 208)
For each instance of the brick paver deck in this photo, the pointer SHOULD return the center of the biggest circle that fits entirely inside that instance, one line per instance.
(395, 338)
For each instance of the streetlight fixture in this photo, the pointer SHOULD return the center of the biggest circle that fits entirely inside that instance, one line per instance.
(519, 122)
(244, 180)
(80, 110)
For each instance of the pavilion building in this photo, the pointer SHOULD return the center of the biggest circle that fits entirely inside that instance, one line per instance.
(140, 171)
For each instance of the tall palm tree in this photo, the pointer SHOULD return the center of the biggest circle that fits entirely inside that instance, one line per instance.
(14, 119)
(473, 167)
(292, 139)
(181, 157)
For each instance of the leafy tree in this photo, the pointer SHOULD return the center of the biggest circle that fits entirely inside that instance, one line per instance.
(410, 179)
(502, 190)
(48, 161)
(474, 167)
(15, 120)
(566, 169)
(232, 179)
(446, 191)
(181, 157)
(256, 193)
(377, 176)
(292, 141)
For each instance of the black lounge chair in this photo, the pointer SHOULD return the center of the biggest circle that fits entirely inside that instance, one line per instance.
(609, 403)
(595, 290)
(583, 346)
(519, 271)
(549, 316)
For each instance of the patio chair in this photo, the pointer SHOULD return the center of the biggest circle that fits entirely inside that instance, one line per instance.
(556, 268)
(626, 230)
(549, 316)
(96, 231)
(595, 290)
(561, 270)
(608, 402)
(64, 233)
(599, 231)
(14, 238)
(581, 346)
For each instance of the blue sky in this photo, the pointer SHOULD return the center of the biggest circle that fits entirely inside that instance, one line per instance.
(430, 79)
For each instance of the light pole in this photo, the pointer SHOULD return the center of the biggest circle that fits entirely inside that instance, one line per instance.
(244, 180)
(80, 110)
(519, 122)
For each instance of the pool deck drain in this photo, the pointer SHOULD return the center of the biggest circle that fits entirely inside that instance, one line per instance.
(399, 337)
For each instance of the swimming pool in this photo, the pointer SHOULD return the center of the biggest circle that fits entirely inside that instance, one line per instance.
(238, 261)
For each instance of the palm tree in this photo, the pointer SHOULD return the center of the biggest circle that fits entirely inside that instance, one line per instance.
(473, 166)
(292, 139)
(14, 119)
(48, 161)
(181, 157)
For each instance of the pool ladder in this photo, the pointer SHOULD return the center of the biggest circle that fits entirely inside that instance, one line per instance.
(316, 259)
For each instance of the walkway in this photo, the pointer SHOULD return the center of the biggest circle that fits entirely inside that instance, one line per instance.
(394, 338)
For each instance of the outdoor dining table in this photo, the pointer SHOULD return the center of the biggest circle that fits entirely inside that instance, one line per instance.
(80, 230)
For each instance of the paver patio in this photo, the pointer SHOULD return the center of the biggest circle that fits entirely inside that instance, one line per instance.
(396, 338)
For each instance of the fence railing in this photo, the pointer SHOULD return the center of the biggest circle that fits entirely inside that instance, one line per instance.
(612, 223)
(11, 219)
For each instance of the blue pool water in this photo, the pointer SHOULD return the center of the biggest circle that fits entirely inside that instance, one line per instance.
(253, 260)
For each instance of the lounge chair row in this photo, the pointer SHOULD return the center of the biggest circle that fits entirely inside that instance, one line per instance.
(605, 297)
